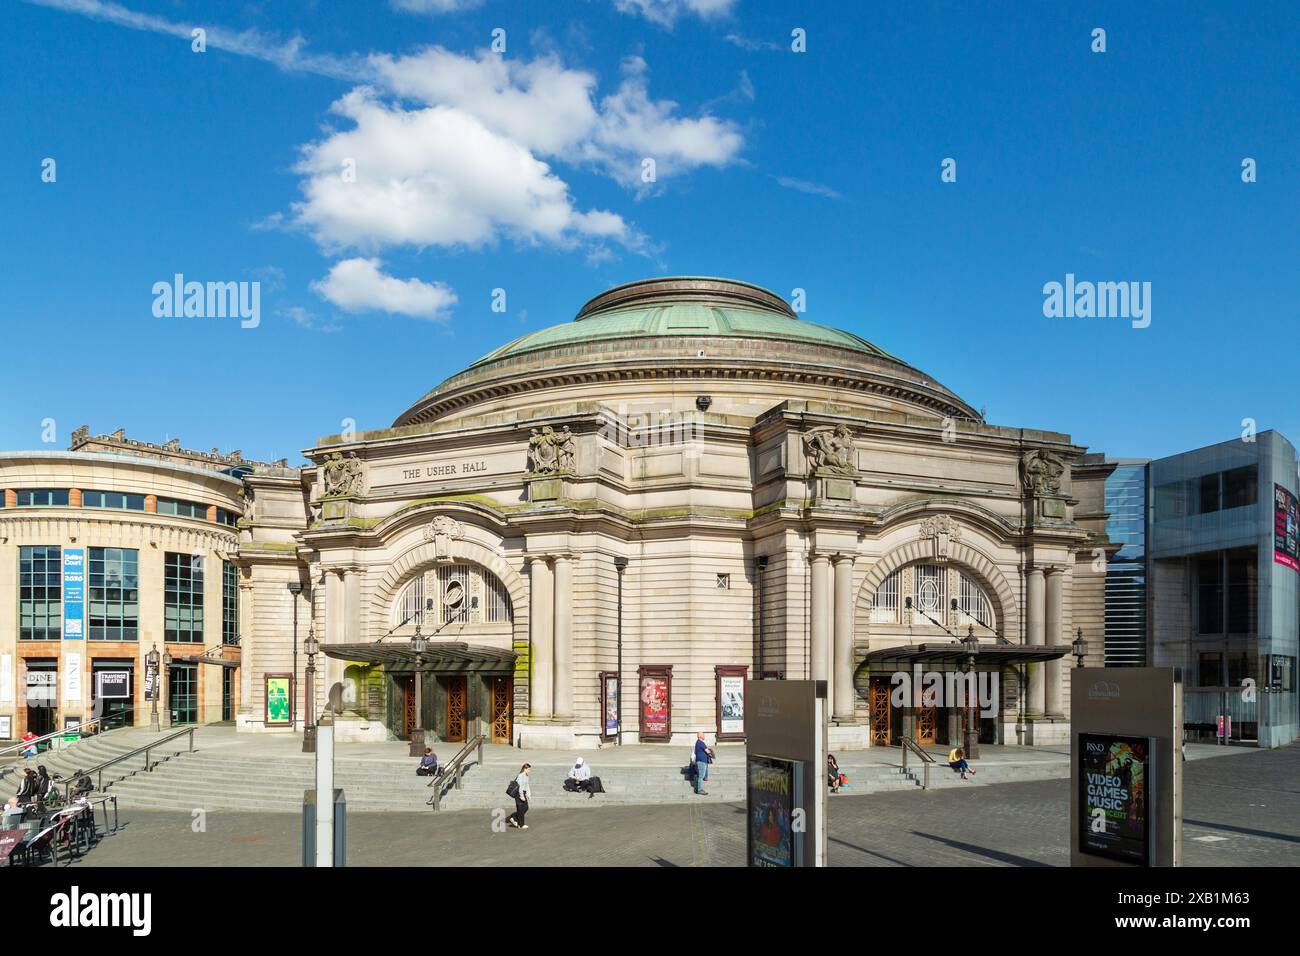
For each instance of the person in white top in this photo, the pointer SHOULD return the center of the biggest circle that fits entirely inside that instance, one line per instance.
(521, 791)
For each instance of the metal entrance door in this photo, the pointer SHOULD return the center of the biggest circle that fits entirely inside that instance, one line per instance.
(408, 707)
(879, 693)
(456, 700)
(503, 692)
(927, 724)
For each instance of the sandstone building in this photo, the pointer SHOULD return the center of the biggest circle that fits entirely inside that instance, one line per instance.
(686, 486)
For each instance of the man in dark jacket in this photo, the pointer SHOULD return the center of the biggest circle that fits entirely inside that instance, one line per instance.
(81, 786)
(30, 788)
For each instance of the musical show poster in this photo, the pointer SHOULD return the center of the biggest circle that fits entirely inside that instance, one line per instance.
(771, 812)
(1286, 528)
(1115, 797)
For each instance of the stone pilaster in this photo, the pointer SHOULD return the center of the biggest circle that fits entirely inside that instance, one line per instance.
(842, 683)
(541, 623)
(563, 709)
(1034, 600)
(821, 618)
(1052, 670)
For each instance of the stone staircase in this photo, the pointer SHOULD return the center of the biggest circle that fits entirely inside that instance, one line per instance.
(92, 751)
(231, 779)
(223, 782)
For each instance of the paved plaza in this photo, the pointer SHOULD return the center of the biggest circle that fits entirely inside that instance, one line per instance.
(1239, 810)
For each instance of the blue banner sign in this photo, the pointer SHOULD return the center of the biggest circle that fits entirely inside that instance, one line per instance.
(74, 594)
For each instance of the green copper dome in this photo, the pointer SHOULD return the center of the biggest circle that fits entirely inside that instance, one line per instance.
(684, 306)
(686, 327)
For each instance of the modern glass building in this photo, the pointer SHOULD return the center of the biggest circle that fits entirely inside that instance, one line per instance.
(1126, 571)
(1223, 579)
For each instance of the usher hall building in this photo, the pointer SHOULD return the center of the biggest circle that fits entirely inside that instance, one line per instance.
(600, 529)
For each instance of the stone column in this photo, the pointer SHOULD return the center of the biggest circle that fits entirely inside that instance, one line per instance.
(563, 638)
(843, 682)
(329, 671)
(541, 631)
(1034, 638)
(820, 663)
(245, 649)
(1052, 670)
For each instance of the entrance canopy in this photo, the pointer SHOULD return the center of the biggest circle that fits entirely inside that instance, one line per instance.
(954, 652)
(438, 657)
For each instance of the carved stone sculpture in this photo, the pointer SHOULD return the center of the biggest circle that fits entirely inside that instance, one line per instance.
(441, 532)
(830, 451)
(342, 477)
(551, 452)
(1041, 473)
(942, 530)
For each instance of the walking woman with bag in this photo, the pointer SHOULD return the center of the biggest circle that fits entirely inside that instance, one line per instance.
(521, 791)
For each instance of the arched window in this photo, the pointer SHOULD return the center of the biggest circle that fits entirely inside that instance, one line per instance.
(461, 593)
(932, 588)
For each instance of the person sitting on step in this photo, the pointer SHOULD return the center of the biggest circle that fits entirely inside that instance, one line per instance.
(81, 785)
(957, 760)
(580, 779)
(428, 764)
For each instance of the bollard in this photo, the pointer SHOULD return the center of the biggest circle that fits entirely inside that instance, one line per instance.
(324, 787)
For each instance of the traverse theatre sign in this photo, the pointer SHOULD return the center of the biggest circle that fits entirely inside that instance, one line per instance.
(1126, 766)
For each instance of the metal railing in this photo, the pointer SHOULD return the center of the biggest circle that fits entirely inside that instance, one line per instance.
(70, 828)
(24, 744)
(98, 771)
(455, 766)
(908, 744)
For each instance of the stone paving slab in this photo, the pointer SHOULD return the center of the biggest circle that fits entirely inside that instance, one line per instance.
(1246, 801)
(224, 741)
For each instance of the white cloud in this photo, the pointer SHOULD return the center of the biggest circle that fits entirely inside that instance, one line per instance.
(666, 12)
(288, 54)
(435, 6)
(633, 126)
(552, 110)
(751, 44)
(435, 176)
(804, 186)
(307, 319)
(540, 104)
(358, 285)
(453, 149)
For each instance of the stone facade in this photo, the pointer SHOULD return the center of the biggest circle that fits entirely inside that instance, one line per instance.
(688, 476)
(695, 447)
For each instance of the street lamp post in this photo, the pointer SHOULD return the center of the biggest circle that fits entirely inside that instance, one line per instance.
(620, 565)
(295, 589)
(971, 734)
(419, 645)
(309, 717)
(151, 662)
(1079, 646)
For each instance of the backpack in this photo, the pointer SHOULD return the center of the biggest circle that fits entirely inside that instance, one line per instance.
(512, 790)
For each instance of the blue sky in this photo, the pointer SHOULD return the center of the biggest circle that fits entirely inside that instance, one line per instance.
(522, 171)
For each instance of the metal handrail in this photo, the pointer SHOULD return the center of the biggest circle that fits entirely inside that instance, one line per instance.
(99, 770)
(456, 764)
(907, 743)
(24, 744)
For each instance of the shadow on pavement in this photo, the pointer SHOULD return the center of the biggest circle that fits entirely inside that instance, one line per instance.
(1008, 858)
